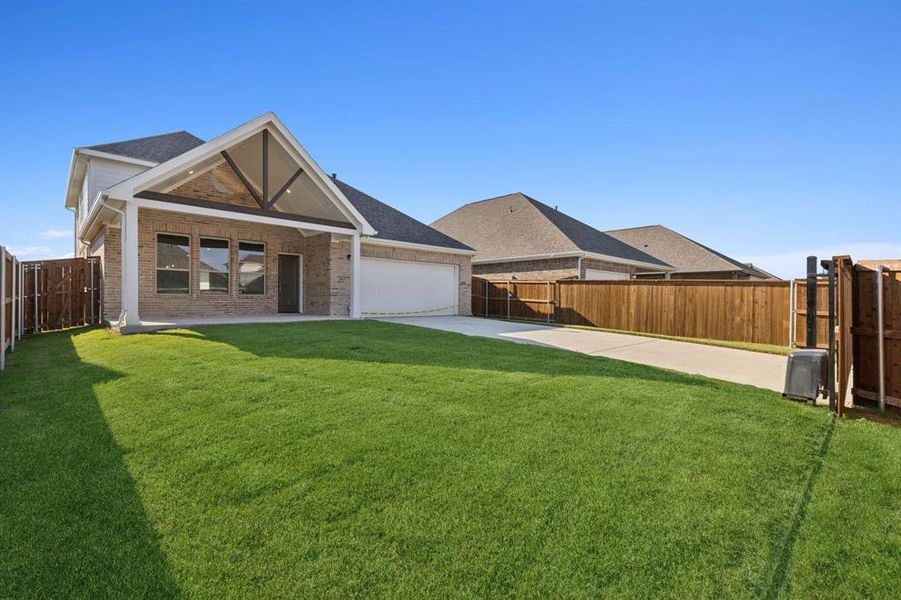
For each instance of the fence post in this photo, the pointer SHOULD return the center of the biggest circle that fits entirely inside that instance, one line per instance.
(2, 308)
(92, 292)
(12, 313)
(22, 300)
(549, 307)
(36, 327)
(811, 301)
(509, 293)
(486, 299)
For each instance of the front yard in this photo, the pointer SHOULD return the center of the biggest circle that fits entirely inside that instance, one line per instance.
(340, 458)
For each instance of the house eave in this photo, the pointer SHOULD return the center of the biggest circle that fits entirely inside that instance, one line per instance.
(577, 254)
(414, 246)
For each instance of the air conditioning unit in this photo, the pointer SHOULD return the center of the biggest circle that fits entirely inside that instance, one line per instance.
(805, 374)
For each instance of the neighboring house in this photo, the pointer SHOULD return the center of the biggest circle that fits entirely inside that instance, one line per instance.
(518, 237)
(248, 224)
(690, 259)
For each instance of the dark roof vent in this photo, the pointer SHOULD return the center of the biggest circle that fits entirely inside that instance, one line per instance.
(334, 177)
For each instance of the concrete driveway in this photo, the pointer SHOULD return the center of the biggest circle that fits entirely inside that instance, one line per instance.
(740, 366)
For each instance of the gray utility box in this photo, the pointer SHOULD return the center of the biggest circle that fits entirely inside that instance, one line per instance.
(805, 374)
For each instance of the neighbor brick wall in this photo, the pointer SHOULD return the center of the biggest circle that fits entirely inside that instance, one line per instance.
(550, 269)
(545, 269)
(464, 271)
(590, 263)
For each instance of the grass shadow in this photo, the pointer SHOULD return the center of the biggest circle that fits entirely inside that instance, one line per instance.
(71, 519)
(388, 343)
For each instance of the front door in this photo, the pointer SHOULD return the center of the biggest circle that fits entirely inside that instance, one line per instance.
(288, 283)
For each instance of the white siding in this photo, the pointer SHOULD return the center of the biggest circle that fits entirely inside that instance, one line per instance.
(101, 174)
(104, 174)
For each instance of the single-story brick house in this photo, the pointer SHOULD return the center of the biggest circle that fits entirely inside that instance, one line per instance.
(518, 237)
(248, 224)
(690, 259)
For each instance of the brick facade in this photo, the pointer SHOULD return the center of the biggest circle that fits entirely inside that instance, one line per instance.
(219, 184)
(463, 262)
(326, 269)
(546, 269)
(107, 245)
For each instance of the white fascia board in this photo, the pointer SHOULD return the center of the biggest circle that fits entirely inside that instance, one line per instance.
(234, 216)
(116, 157)
(414, 246)
(69, 189)
(128, 188)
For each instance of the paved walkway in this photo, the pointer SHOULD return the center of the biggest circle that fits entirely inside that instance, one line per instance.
(740, 366)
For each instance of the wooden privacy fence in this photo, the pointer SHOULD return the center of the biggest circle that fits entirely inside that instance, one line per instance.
(534, 300)
(721, 310)
(869, 370)
(61, 293)
(743, 311)
(11, 321)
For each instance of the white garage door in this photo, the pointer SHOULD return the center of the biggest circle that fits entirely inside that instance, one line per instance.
(406, 287)
(598, 274)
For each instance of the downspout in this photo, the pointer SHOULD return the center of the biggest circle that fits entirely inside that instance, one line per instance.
(880, 333)
(102, 199)
(579, 268)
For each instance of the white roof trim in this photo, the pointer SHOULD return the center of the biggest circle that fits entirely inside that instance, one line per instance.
(127, 189)
(415, 246)
(604, 257)
(116, 157)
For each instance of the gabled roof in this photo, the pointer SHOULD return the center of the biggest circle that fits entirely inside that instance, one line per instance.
(155, 148)
(391, 224)
(212, 149)
(518, 226)
(685, 254)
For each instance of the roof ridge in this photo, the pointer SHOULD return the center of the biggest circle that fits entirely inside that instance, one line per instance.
(720, 255)
(636, 227)
(145, 137)
(546, 210)
(494, 198)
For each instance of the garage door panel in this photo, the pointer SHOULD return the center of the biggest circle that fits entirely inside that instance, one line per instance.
(408, 287)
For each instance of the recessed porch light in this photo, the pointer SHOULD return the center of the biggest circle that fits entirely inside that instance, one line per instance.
(288, 191)
(191, 172)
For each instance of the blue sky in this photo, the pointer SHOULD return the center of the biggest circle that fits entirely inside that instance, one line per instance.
(737, 124)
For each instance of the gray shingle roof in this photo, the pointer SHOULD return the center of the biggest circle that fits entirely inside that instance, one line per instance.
(156, 148)
(391, 224)
(517, 225)
(687, 255)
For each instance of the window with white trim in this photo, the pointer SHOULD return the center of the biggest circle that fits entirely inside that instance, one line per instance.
(173, 264)
(214, 265)
(251, 268)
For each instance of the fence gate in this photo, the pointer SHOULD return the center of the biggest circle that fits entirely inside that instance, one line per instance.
(876, 335)
(61, 293)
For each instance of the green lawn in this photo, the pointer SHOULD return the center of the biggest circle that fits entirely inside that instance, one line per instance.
(366, 458)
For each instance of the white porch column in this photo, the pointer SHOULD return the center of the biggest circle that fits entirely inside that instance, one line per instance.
(355, 273)
(130, 316)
